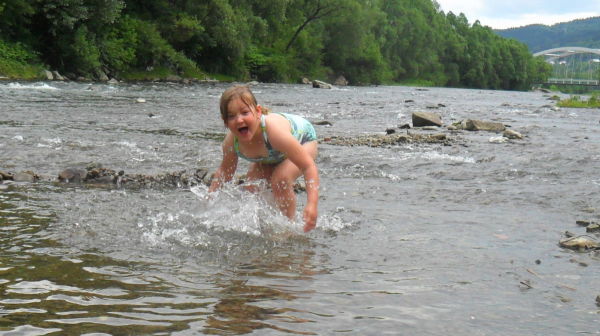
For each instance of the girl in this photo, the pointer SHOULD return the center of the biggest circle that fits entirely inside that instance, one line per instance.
(280, 147)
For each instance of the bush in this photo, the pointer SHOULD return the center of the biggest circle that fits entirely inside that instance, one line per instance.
(18, 61)
(577, 102)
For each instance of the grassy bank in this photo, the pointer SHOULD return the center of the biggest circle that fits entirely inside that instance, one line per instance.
(17, 62)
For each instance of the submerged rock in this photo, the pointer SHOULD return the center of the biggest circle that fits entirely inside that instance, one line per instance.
(103, 176)
(72, 175)
(593, 228)
(512, 134)
(322, 123)
(378, 140)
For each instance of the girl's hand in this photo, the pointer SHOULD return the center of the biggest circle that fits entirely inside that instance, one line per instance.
(310, 217)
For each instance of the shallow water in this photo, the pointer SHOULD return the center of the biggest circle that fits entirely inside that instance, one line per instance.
(416, 239)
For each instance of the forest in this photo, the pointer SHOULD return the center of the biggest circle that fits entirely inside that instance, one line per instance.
(366, 41)
(576, 33)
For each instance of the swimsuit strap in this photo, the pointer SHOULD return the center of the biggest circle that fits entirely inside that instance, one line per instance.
(263, 127)
(272, 154)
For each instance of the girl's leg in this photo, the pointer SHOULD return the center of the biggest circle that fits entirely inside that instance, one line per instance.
(257, 172)
(282, 180)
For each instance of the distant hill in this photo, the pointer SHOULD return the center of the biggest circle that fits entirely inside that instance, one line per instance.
(538, 37)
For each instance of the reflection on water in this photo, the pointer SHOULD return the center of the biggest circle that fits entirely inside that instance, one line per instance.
(56, 288)
(244, 307)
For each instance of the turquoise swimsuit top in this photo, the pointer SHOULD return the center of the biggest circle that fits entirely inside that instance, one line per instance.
(302, 130)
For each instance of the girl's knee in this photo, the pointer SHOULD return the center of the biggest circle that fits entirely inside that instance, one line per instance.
(281, 182)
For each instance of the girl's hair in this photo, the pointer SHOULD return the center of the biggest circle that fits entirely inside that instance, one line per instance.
(238, 91)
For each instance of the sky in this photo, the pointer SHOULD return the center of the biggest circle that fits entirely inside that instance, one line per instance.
(501, 14)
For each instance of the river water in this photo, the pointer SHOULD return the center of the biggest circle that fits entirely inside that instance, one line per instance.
(412, 239)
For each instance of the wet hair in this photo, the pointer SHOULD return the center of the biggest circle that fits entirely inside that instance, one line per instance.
(238, 91)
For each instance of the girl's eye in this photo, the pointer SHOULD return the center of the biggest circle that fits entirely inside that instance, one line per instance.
(245, 113)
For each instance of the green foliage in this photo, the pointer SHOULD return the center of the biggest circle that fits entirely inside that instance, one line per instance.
(119, 46)
(369, 42)
(83, 53)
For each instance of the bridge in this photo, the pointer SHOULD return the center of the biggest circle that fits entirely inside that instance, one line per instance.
(573, 65)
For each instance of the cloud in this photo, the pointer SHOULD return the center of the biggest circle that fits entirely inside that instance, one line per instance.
(515, 13)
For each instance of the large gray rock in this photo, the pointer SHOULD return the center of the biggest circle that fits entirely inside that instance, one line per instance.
(421, 119)
(479, 125)
(102, 76)
(47, 74)
(57, 76)
(321, 85)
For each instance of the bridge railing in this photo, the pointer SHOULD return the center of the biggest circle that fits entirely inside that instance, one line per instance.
(571, 81)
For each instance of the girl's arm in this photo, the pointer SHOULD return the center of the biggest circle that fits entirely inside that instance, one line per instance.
(228, 165)
(281, 139)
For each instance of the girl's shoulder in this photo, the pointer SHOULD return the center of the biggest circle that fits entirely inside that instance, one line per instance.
(275, 119)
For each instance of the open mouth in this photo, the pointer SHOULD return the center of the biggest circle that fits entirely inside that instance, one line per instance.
(243, 130)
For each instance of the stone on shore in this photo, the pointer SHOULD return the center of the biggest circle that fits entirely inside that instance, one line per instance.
(48, 74)
(341, 81)
(57, 76)
(101, 75)
(420, 119)
(25, 176)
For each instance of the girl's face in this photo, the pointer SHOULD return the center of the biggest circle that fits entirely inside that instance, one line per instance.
(243, 120)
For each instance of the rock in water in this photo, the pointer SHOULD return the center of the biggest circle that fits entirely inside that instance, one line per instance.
(479, 125)
(581, 243)
(512, 134)
(420, 119)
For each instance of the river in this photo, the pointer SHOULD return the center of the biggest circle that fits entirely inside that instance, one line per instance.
(412, 239)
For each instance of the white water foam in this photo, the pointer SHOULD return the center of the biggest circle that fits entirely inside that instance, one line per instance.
(435, 156)
(33, 86)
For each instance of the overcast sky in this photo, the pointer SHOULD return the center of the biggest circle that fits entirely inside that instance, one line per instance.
(502, 14)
